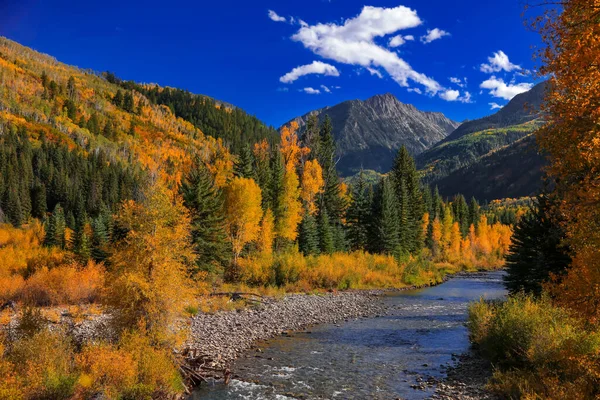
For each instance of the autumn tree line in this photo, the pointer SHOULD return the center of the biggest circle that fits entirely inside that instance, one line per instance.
(545, 339)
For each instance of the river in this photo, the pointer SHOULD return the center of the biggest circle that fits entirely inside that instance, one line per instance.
(369, 358)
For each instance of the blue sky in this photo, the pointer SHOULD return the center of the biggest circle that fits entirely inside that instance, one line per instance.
(278, 60)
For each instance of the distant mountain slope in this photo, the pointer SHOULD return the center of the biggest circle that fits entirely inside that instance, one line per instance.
(522, 108)
(369, 132)
(510, 172)
(465, 148)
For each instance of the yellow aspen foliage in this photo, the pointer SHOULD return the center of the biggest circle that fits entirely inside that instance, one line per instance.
(290, 146)
(149, 281)
(455, 242)
(484, 245)
(290, 207)
(243, 213)
(267, 233)
(312, 184)
(425, 224)
(436, 237)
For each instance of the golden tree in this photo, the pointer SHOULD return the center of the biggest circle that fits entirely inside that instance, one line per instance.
(312, 184)
(149, 281)
(571, 136)
(243, 214)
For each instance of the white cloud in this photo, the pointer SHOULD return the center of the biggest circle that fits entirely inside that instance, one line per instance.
(310, 90)
(499, 62)
(450, 95)
(415, 90)
(495, 106)
(454, 95)
(325, 89)
(317, 67)
(399, 40)
(459, 82)
(433, 34)
(274, 17)
(375, 72)
(353, 43)
(498, 88)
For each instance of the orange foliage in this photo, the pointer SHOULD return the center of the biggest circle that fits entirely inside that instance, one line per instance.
(312, 184)
(572, 138)
(267, 233)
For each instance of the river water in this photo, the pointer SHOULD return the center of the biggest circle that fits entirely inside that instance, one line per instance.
(369, 358)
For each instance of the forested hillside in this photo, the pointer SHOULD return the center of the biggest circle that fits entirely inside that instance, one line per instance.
(478, 157)
(113, 204)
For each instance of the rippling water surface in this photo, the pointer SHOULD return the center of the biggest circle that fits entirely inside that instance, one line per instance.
(370, 358)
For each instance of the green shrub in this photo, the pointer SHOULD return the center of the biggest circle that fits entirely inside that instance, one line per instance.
(540, 351)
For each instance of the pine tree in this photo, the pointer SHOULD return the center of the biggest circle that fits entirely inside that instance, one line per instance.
(205, 203)
(244, 165)
(386, 227)
(308, 238)
(55, 228)
(404, 173)
(39, 204)
(474, 212)
(12, 205)
(100, 239)
(118, 99)
(312, 137)
(128, 102)
(460, 211)
(536, 251)
(330, 199)
(326, 239)
(358, 215)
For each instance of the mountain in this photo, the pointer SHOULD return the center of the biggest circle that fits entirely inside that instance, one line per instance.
(369, 133)
(466, 147)
(511, 172)
(522, 108)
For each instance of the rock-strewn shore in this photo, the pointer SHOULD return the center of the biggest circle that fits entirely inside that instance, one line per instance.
(224, 336)
(466, 380)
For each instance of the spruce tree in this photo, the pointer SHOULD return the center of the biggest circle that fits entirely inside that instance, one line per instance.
(358, 215)
(326, 239)
(330, 198)
(410, 198)
(474, 212)
(537, 249)
(100, 239)
(387, 238)
(118, 99)
(39, 204)
(12, 205)
(312, 136)
(460, 212)
(128, 102)
(205, 202)
(55, 228)
(71, 89)
(244, 166)
(308, 235)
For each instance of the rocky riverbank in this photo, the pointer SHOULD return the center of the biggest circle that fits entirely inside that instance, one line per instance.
(466, 380)
(224, 336)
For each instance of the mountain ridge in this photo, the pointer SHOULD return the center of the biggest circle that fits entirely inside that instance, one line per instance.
(369, 132)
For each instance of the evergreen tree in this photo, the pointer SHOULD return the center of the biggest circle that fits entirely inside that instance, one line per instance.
(330, 198)
(536, 251)
(39, 205)
(386, 235)
(326, 239)
(308, 237)
(358, 215)
(460, 212)
(55, 228)
(410, 198)
(312, 136)
(474, 212)
(100, 239)
(205, 203)
(118, 99)
(244, 165)
(128, 102)
(12, 206)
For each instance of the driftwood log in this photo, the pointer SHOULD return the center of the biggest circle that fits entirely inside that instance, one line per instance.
(237, 296)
